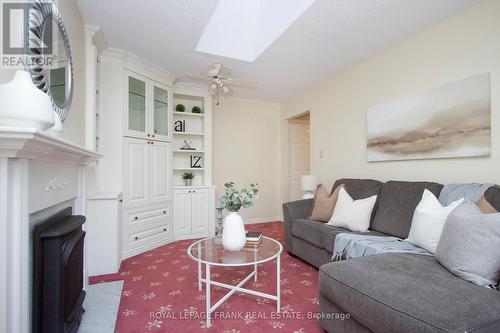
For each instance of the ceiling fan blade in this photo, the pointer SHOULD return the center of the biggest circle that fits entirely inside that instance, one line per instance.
(220, 70)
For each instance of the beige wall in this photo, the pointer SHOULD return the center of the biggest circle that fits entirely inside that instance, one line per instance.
(246, 150)
(460, 47)
(74, 126)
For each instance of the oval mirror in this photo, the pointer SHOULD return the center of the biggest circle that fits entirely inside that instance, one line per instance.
(51, 64)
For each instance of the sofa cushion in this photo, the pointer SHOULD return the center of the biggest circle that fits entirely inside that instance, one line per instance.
(397, 203)
(493, 196)
(408, 293)
(361, 189)
(310, 231)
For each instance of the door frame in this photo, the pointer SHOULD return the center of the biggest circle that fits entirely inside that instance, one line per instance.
(296, 119)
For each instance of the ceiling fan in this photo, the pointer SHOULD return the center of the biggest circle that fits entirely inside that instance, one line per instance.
(219, 81)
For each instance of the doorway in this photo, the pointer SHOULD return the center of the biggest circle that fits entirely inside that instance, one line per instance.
(299, 154)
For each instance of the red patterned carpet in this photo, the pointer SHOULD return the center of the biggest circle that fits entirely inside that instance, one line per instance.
(160, 293)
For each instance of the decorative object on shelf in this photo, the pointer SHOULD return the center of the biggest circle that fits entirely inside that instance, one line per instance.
(23, 105)
(308, 183)
(187, 145)
(233, 232)
(180, 108)
(196, 109)
(180, 126)
(453, 120)
(188, 178)
(196, 162)
(56, 81)
(218, 226)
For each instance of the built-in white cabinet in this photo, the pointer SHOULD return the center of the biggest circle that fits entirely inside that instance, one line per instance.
(147, 113)
(194, 212)
(147, 172)
(104, 230)
(146, 227)
(146, 148)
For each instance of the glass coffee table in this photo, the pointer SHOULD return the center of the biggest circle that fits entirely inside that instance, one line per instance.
(210, 252)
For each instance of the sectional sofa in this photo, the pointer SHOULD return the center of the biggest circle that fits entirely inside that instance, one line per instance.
(389, 292)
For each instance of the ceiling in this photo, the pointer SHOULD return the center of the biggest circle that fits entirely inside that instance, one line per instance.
(330, 36)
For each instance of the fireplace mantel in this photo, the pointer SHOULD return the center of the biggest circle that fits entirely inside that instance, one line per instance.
(38, 171)
(29, 143)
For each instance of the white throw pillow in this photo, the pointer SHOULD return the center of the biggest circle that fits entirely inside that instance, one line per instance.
(428, 221)
(352, 214)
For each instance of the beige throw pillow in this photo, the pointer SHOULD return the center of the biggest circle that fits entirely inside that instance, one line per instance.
(324, 203)
(485, 207)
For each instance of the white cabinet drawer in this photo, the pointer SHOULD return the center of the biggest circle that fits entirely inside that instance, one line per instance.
(140, 216)
(137, 239)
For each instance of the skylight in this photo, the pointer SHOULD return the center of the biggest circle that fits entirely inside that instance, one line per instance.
(242, 29)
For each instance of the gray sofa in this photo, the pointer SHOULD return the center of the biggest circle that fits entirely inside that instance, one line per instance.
(389, 292)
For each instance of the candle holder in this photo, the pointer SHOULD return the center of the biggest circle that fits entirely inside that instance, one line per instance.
(218, 227)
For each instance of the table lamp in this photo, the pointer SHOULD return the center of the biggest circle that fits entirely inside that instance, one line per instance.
(308, 184)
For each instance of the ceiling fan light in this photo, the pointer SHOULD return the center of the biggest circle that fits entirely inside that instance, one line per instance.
(213, 86)
(225, 89)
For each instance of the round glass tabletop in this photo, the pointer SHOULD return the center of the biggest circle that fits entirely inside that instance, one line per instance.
(210, 251)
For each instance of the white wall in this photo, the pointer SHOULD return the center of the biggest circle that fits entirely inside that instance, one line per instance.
(246, 150)
(460, 47)
(74, 126)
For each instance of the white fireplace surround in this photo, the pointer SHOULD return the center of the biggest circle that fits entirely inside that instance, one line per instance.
(37, 171)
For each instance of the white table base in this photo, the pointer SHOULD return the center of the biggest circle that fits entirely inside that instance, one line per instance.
(208, 283)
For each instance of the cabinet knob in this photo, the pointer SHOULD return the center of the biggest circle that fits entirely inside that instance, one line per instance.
(189, 191)
(194, 191)
(135, 217)
(153, 136)
(136, 238)
(149, 135)
(164, 212)
(164, 229)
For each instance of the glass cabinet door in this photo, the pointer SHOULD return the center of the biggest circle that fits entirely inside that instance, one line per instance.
(136, 105)
(160, 119)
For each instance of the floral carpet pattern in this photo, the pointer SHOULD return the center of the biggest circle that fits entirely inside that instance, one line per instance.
(160, 293)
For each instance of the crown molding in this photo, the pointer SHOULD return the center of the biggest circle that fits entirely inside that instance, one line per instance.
(137, 64)
(30, 143)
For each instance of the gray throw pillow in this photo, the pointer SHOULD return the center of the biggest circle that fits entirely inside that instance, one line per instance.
(469, 245)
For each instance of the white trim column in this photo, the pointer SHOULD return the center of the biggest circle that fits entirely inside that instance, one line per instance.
(14, 259)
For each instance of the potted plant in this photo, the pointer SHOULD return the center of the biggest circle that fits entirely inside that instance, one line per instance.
(233, 233)
(196, 109)
(188, 178)
(180, 108)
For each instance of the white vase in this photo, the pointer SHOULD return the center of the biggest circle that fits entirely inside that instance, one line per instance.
(233, 233)
(57, 128)
(24, 105)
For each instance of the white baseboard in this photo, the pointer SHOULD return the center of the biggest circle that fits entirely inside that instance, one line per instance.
(264, 219)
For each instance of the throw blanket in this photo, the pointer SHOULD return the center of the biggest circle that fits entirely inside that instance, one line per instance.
(348, 246)
(453, 192)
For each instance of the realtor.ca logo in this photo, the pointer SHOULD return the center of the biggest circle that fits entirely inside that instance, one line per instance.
(27, 37)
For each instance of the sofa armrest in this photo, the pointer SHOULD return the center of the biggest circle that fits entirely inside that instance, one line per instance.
(292, 211)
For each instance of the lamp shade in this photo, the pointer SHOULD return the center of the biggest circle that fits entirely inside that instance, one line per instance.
(308, 182)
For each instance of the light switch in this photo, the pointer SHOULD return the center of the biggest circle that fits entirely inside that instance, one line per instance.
(321, 154)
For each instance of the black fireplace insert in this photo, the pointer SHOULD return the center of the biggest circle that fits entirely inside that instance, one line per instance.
(58, 293)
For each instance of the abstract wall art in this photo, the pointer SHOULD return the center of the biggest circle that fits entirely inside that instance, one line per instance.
(453, 120)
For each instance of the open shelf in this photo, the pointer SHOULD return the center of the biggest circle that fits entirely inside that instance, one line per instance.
(189, 151)
(189, 133)
(188, 169)
(189, 114)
